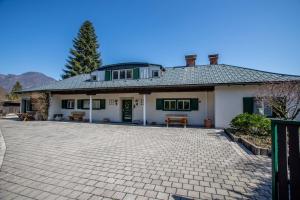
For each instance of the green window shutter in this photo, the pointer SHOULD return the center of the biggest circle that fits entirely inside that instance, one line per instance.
(102, 103)
(194, 105)
(159, 104)
(107, 75)
(136, 73)
(63, 104)
(79, 103)
(248, 103)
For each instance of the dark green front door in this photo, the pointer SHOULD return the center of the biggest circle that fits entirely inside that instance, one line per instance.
(127, 110)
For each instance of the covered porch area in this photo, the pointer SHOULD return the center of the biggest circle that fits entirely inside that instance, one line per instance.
(145, 107)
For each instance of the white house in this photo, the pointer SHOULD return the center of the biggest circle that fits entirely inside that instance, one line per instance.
(132, 92)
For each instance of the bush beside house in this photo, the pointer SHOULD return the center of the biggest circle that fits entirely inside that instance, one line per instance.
(252, 127)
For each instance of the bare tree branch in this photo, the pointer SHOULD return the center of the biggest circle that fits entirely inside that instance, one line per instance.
(284, 98)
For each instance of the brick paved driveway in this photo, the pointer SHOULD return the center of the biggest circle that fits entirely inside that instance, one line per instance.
(60, 160)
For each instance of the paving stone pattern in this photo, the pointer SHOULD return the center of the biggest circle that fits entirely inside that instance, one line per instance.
(62, 160)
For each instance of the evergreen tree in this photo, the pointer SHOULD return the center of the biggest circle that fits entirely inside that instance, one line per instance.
(84, 57)
(16, 88)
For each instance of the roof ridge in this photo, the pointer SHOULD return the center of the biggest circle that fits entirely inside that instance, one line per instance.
(258, 70)
(234, 66)
(175, 76)
(183, 66)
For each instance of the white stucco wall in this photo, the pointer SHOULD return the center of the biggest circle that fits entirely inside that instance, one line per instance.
(114, 112)
(54, 106)
(229, 102)
(211, 106)
(194, 117)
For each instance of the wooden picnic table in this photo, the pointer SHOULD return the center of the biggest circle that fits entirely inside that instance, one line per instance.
(176, 119)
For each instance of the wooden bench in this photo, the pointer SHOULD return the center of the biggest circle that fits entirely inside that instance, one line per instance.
(176, 119)
(76, 116)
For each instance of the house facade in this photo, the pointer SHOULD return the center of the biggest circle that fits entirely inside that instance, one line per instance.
(145, 93)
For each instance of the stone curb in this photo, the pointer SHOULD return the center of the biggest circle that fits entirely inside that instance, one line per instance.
(252, 147)
(2, 148)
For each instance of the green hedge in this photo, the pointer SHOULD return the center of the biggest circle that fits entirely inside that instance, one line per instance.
(251, 124)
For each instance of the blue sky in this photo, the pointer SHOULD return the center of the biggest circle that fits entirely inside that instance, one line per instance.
(37, 35)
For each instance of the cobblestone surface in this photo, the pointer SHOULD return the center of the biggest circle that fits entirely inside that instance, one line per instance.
(61, 160)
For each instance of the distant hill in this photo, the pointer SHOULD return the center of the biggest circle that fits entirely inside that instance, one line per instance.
(27, 80)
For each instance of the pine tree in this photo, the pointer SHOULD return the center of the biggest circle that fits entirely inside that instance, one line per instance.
(84, 57)
(13, 93)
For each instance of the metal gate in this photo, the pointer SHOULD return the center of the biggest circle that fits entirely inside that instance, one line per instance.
(285, 160)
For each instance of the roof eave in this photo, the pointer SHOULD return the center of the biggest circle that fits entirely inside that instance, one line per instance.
(160, 86)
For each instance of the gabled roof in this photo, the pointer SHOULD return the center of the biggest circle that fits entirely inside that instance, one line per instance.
(201, 75)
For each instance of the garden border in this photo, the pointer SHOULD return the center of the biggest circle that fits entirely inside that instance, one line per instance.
(252, 147)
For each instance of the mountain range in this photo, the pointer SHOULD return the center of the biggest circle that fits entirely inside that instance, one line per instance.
(27, 80)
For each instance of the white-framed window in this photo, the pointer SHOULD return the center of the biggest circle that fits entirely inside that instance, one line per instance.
(155, 73)
(86, 104)
(122, 74)
(93, 78)
(67, 104)
(129, 74)
(262, 107)
(115, 74)
(183, 104)
(70, 104)
(96, 104)
(169, 104)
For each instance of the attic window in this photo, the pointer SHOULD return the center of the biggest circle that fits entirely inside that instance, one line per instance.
(122, 74)
(115, 75)
(93, 77)
(155, 73)
(129, 74)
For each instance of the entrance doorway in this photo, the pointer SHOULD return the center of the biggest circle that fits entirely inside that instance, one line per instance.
(127, 110)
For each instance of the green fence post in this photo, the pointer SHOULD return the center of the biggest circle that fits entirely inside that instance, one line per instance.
(274, 160)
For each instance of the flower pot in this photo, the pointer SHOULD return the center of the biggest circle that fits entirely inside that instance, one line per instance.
(207, 123)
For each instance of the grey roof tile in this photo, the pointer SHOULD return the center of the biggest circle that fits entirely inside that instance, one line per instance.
(207, 75)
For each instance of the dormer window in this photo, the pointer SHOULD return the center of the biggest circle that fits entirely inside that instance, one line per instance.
(115, 75)
(122, 74)
(129, 74)
(93, 78)
(155, 73)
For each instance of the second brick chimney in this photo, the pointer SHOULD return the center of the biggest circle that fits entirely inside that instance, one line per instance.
(213, 59)
(190, 60)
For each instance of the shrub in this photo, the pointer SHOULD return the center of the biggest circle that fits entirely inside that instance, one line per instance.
(251, 124)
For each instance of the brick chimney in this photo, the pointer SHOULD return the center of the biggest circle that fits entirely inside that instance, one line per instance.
(190, 60)
(213, 59)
